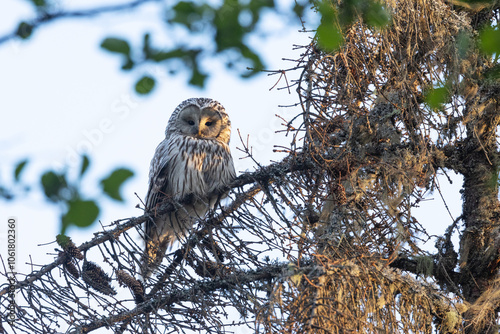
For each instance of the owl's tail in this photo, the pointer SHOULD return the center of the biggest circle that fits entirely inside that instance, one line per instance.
(152, 257)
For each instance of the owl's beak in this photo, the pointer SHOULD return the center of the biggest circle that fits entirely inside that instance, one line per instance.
(195, 132)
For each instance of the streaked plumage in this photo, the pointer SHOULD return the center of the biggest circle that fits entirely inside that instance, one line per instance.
(193, 159)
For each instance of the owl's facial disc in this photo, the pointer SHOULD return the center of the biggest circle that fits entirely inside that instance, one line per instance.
(205, 123)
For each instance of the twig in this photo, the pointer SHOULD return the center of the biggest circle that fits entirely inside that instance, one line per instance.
(45, 17)
(276, 170)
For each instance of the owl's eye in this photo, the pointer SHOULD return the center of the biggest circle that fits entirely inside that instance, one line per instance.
(190, 122)
(209, 123)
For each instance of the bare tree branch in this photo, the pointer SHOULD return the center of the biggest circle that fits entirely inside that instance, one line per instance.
(267, 174)
(160, 302)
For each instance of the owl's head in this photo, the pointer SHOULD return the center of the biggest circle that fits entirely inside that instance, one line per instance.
(201, 118)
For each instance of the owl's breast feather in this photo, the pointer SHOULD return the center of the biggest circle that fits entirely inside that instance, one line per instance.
(200, 168)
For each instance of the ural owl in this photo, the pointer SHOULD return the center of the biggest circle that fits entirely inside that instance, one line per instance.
(193, 159)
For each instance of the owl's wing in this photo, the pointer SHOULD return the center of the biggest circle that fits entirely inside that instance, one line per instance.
(157, 187)
(158, 182)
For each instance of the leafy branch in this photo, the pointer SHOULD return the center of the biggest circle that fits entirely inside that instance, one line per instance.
(44, 16)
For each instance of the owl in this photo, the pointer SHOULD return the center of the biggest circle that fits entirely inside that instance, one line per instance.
(193, 160)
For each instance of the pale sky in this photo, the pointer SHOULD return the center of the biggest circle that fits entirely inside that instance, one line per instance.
(61, 95)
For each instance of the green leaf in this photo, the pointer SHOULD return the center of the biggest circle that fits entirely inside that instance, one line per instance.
(52, 184)
(328, 34)
(348, 10)
(376, 15)
(229, 32)
(145, 85)
(159, 56)
(184, 13)
(129, 64)
(257, 64)
(493, 74)
(298, 9)
(489, 40)
(24, 30)
(436, 97)
(197, 78)
(193, 15)
(146, 48)
(256, 7)
(39, 3)
(85, 164)
(80, 213)
(329, 37)
(63, 240)
(116, 45)
(19, 169)
(111, 185)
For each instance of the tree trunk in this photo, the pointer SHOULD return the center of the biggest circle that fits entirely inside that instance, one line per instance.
(480, 242)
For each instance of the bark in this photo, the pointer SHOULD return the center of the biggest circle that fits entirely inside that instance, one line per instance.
(480, 242)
